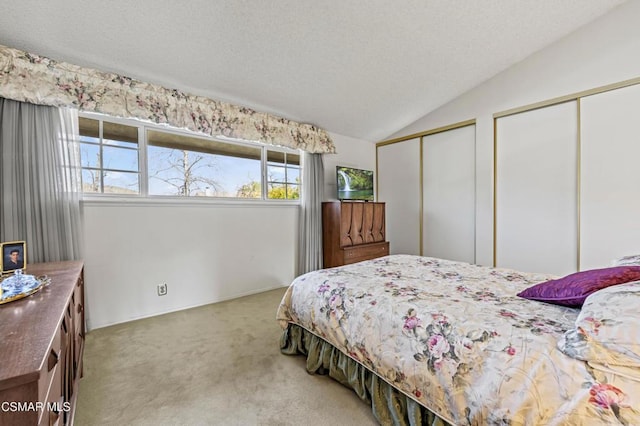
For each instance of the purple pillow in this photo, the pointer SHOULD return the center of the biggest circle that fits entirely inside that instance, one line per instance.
(573, 289)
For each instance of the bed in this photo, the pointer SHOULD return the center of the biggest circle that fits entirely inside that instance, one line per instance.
(432, 341)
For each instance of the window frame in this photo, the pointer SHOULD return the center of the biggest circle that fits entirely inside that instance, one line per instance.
(101, 145)
(286, 183)
(143, 171)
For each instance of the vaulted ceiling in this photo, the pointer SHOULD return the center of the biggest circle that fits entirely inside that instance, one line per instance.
(363, 69)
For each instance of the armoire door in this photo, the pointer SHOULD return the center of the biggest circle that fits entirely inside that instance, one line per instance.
(610, 185)
(399, 187)
(448, 182)
(536, 218)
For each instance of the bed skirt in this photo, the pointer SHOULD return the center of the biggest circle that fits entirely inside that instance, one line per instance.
(389, 406)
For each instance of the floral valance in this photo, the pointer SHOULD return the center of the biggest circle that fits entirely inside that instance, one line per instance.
(39, 80)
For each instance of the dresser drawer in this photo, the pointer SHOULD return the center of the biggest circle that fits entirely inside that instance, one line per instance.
(365, 252)
(54, 404)
(78, 321)
(51, 364)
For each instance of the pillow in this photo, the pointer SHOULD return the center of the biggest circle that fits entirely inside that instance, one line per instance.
(607, 330)
(627, 260)
(573, 289)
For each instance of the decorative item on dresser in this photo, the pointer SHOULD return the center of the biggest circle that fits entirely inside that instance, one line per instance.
(352, 232)
(42, 346)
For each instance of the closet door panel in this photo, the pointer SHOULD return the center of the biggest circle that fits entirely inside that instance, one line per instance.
(449, 194)
(536, 190)
(610, 185)
(399, 188)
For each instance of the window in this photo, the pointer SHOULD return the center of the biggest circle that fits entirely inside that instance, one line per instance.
(122, 158)
(192, 166)
(109, 157)
(283, 175)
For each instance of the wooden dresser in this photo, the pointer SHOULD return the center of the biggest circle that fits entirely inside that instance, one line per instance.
(41, 350)
(352, 232)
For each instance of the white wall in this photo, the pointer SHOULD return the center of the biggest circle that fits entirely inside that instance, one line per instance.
(601, 53)
(206, 252)
(351, 153)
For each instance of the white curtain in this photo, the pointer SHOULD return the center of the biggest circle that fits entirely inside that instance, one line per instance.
(40, 180)
(310, 221)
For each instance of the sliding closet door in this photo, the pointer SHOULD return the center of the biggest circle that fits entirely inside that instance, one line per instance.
(399, 188)
(610, 169)
(536, 190)
(449, 194)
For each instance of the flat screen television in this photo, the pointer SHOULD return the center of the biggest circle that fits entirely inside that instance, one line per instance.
(354, 184)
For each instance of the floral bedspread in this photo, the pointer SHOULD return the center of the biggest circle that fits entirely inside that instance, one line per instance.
(457, 339)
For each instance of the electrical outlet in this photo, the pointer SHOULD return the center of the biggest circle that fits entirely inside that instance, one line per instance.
(162, 289)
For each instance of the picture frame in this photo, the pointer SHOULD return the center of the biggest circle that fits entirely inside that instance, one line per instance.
(14, 256)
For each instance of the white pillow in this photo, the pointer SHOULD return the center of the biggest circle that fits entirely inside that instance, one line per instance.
(607, 330)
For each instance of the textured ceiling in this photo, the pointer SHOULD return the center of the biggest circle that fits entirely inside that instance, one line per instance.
(364, 69)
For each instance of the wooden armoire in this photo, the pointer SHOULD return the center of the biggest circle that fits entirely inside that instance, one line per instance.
(353, 231)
